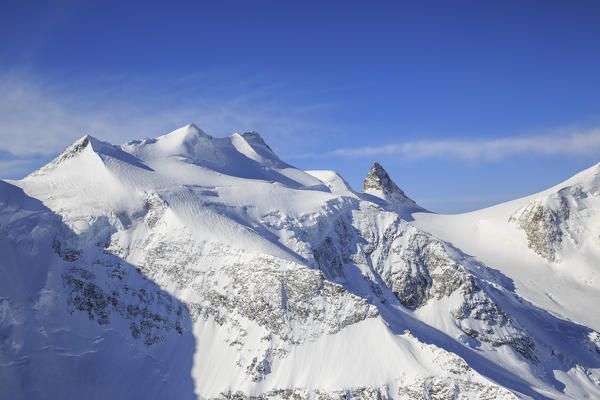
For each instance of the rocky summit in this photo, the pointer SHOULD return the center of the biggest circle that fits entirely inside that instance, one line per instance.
(193, 267)
(378, 179)
(379, 184)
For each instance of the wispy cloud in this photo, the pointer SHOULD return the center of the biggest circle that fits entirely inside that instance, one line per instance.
(41, 118)
(563, 141)
(17, 167)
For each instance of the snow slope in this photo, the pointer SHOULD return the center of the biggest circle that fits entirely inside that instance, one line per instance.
(189, 266)
(547, 243)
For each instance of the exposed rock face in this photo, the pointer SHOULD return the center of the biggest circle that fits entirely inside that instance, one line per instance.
(97, 283)
(272, 292)
(482, 319)
(400, 260)
(151, 314)
(418, 268)
(542, 226)
(289, 303)
(378, 180)
(549, 221)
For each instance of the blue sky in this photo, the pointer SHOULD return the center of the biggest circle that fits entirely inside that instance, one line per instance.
(466, 104)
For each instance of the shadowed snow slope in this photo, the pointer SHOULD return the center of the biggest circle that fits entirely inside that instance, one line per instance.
(191, 266)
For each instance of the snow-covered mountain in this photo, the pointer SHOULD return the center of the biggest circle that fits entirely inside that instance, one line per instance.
(547, 243)
(189, 266)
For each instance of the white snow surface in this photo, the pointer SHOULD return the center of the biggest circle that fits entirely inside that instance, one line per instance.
(569, 286)
(189, 266)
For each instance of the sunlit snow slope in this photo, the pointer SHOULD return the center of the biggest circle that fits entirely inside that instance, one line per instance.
(547, 243)
(188, 266)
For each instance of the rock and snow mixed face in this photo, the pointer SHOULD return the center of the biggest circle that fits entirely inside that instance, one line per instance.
(207, 267)
(379, 184)
(547, 244)
(555, 221)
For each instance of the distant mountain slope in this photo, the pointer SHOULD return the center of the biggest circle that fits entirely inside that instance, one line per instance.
(548, 243)
(207, 267)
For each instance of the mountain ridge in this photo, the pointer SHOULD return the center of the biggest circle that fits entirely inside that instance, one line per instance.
(273, 273)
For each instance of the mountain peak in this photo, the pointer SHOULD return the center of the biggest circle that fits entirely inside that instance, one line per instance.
(378, 179)
(379, 183)
(81, 143)
(193, 126)
(188, 141)
(77, 147)
(93, 147)
(185, 133)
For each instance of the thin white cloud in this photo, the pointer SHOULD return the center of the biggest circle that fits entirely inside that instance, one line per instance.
(585, 142)
(18, 168)
(39, 118)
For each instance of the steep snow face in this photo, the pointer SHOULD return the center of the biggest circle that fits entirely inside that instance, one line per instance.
(82, 185)
(237, 275)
